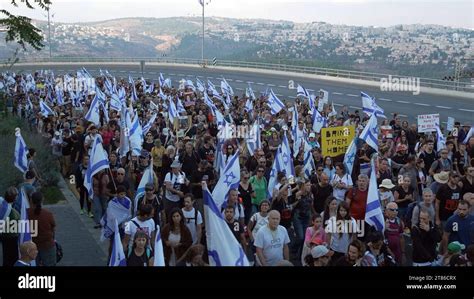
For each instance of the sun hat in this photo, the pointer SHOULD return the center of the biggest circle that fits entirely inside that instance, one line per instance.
(320, 250)
(442, 177)
(387, 184)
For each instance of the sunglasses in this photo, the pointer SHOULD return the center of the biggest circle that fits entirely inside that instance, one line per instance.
(319, 170)
(149, 190)
(120, 173)
(393, 210)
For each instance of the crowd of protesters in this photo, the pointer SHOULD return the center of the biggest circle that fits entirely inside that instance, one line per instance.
(427, 196)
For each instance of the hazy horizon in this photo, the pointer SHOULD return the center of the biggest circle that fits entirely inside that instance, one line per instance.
(379, 13)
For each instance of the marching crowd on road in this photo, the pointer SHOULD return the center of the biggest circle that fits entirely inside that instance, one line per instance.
(186, 166)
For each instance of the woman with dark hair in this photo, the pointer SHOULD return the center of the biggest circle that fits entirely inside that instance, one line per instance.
(176, 237)
(281, 204)
(141, 254)
(46, 227)
(329, 169)
(341, 230)
(330, 209)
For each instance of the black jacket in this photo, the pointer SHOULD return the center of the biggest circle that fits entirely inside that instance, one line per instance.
(424, 243)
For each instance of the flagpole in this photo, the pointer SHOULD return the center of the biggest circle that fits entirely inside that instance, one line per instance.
(202, 44)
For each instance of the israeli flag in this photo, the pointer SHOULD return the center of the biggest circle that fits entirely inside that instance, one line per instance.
(151, 88)
(333, 112)
(98, 161)
(179, 106)
(319, 121)
(115, 102)
(153, 106)
(25, 235)
(21, 159)
(59, 97)
(130, 80)
(276, 168)
(136, 136)
(117, 257)
(253, 141)
(370, 107)
(29, 105)
(162, 80)
(249, 105)
(229, 179)
(312, 102)
(209, 102)
(212, 88)
(226, 88)
(45, 110)
(309, 164)
(144, 84)
(147, 178)
(302, 92)
(469, 135)
(294, 131)
(349, 157)
(200, 85)
(149, 124)
(274, 103)
(373, 210)
(108, 86)
(223, 247)
(370, 133)
(93, 114)
(172, 111)
(190, 84)
(159, 258)
(125, 125)
(249, 93)
(286, 160)
(117, 210)
(441, 140)
(106, 112)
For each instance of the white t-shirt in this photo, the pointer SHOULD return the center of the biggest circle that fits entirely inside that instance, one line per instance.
(272, 243)
(130, 228)
(386, 196)
(191, 222)
(89, 139)
(176, 181)
(340, 193)
(259, 221)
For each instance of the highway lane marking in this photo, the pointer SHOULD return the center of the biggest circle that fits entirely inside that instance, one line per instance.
(260, 83)
(182, 75)
(272, 85)
(278, 95)
(403, 102)
(292, 97)
(352, 95)
(239, 81)
(210, 77)
(355, 107)
(467, 110)
(443, 107)
(338, 105)
(250, 82)
(385, 100)
(239, 88)
(282, 86)
(171, 74)
(133, 72)
(422, 104)
(338, 93)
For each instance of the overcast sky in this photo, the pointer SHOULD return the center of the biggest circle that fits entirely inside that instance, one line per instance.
(456, 13)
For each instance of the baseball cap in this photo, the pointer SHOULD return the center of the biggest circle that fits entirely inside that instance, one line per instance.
(320, 251)
(312, 135)
(456, 247)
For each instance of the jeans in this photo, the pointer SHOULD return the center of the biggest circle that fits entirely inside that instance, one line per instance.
(99, 206)
(300, 223)
(47, 257)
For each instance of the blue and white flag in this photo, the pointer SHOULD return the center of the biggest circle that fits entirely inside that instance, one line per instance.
(274, 103)
(117, 210)
(179, 106)
(115, 102)
(254, 141)
(226, 88)
(117, 257)
(370, 133)
(469, 135)
(370, 107)
(59, 97)
(29, 104)
(147, 178)
(106, 112)
(223, 247)
(373, 210)
(349, 157)
(248, 106)
(302, 92)
(286, 160)
(229, 179)
(172, 111)
(309, 164)
(249, 93)
(149, 124)
(45, 110)
(200, 85)
(21, 159)
(93, 114)
(125, 125)
(312, 102)
(136, 136)
(143, 81)
(25, 235)
(212, 89)
(151, 88)
(98, 161)
(441, 140)
(162, 80)
(276, 168)
(319, 121)
(159, 258)
(189, 84)
(5, 209)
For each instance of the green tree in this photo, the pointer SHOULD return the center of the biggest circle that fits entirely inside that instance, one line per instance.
(19, 28)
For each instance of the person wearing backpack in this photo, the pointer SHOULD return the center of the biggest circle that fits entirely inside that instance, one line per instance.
(442, 164)
(141, 254)
(413, 211)
(193, 218)
(394, 232)
(143, 222)
(176, 184)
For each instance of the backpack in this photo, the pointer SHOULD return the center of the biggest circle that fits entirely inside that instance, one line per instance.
(409, 213)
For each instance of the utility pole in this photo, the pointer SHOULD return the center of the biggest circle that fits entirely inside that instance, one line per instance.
(203, 4)
(49, 33)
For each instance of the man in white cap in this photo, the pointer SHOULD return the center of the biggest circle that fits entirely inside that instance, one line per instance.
(312, 141)
(175, 180)
(321, 256)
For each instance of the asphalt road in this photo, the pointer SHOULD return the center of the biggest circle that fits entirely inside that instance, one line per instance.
(405, 103)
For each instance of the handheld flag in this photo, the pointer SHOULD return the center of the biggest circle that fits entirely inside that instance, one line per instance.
(349, 157)
(302, 92)
(45, 110)
(370, 107)
(373, 210)
(98, 161)
(117, 257)
(159, 258)
(21, 159)
(274, 103)
(229, 179)
(370, 133)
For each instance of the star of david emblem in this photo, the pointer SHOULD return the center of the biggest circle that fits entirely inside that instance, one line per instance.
(285, 158)
(228, 179)
(351, 158)
(320, 119)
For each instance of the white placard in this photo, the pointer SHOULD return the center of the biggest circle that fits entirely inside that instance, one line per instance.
(427, 122)
(450, 124)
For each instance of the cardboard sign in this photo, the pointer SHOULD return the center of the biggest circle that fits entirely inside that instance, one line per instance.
(427, 122)
(450, 124)
(335, 141)
(387, 131)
